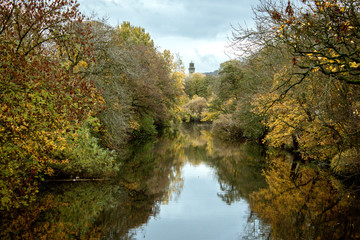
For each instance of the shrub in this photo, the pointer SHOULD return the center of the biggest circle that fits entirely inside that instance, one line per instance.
(195, 108)
(225, 128)
(84, 157)
(146, 127)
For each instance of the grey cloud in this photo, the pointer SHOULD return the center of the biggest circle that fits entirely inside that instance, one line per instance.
(202, 19)
(188, 18)
(208, 61)
(193, 21)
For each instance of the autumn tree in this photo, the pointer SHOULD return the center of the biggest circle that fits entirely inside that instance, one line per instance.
(197, 84)
(41, 102)
(195, 109)
(141, 85)
(108, 72)
(322, 36)
(312, 104)
(231, 76)
(230, 106)
(151, 79)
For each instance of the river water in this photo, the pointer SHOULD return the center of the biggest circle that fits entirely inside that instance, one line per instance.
(193, 186)
(198, 212)
(199, 188)
(188, 186)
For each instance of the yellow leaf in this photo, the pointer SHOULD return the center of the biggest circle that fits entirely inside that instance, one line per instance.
(354, 64)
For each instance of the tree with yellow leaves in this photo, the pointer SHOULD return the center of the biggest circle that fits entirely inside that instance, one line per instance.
(40, 102)
(313, 103)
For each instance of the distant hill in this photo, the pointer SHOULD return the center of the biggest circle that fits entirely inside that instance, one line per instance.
(212, 73)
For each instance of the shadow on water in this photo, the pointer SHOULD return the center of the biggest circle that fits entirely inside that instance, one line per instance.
(308, 205)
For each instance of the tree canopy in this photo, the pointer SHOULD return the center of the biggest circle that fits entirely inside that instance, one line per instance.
(71, 90)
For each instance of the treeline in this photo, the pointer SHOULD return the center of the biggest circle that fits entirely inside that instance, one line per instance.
(73, 91)
(296, 86)
(226, 100)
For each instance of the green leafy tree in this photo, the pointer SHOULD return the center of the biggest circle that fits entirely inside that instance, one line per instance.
(197, 84)
(230, 106)
(231, 77)
(150, 78)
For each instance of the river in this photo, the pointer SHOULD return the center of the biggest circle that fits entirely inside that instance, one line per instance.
(192, 186)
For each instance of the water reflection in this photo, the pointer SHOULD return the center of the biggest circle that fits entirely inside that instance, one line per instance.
(198, 213)
(165, 186)
(193, 186)
(238, 166)
(217, 180)
(307, 204)
(66, 211)
(151, 175)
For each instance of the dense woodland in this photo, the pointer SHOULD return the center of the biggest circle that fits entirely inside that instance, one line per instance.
(75, 91)
(296, 87)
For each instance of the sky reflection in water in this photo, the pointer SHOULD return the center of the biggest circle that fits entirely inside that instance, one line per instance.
(194, 187)
(187, 187)
(198, 213)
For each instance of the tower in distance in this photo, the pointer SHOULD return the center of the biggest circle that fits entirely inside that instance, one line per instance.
(191, 68)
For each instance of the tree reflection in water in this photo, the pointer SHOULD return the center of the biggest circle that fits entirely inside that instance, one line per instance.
(151, 176)
(302, 203)
(67, 212)
(109, 210)
(310, 204)
(238, 166)
(307, 204)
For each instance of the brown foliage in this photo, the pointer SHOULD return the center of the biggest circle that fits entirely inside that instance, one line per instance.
(40, 101)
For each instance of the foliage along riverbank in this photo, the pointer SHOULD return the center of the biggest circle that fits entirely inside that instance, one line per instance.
(73, 91)
(152, 174)
(295, 88)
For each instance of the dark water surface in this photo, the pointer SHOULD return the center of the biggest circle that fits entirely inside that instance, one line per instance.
(185, 187)
(193, 186)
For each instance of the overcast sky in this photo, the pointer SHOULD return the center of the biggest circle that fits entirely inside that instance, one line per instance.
(197, 30)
